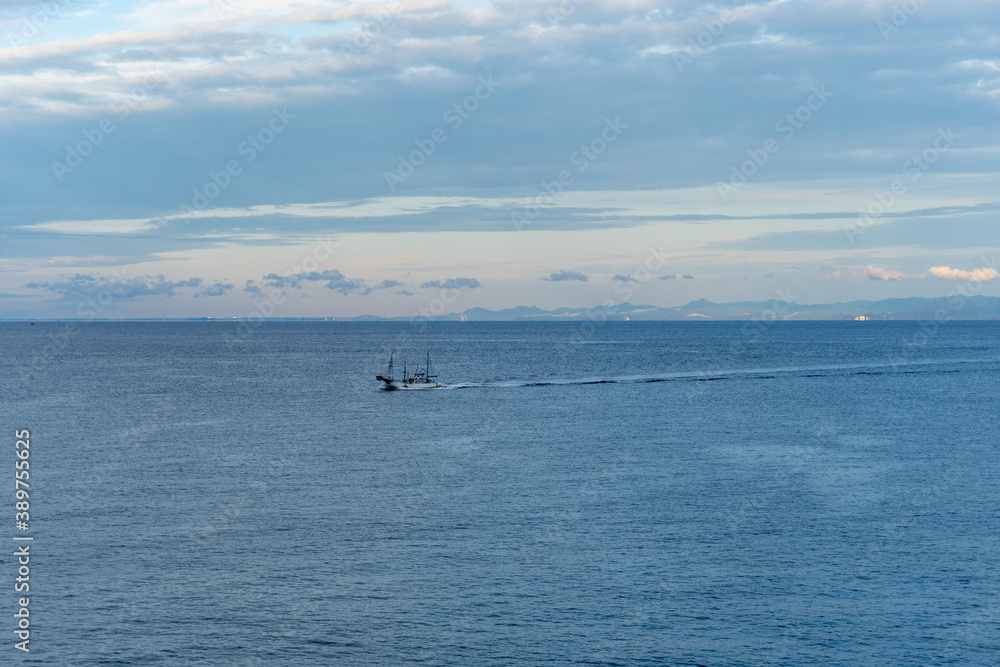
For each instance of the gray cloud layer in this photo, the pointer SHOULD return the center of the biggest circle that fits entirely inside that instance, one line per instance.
(693, 113)
(453, 283)
(334, 279)
(216, 289)
(126, 287)
(563, 275)
(220, 82)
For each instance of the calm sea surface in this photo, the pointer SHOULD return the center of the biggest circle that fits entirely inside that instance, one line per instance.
(625, 493)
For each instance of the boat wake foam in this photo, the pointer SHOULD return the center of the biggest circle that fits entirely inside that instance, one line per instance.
(911, 367)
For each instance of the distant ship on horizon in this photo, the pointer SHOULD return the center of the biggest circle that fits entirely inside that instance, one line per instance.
(419, 380)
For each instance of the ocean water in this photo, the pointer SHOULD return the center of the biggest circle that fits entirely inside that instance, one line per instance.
(608, 494)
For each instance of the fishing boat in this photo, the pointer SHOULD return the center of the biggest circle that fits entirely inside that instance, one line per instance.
(420, 379)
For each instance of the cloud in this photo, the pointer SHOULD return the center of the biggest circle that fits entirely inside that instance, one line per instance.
(623, 278)
(123, 287)
(564, 275)
(28, 263)
(948, 273)
(876, 273)
(454, 283)
(274, 280)
(218, 289)
(225, 64)
(405, 292)
(335, 280)
(251, 286)
(385, 284)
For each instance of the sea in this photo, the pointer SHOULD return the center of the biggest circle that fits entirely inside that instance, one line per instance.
(595, 493)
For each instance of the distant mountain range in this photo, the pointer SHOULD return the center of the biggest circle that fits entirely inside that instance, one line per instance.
(913, 308)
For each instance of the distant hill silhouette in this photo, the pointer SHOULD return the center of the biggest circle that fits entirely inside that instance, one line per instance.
(913, 308)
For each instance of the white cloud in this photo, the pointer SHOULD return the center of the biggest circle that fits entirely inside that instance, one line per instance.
(123, 226)
(28, 263)
(876, 273)
(948, 273)
(941, 272)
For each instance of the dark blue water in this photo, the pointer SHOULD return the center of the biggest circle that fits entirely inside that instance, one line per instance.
(627, 493)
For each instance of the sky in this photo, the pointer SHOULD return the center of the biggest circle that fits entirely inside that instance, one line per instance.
(220, 158)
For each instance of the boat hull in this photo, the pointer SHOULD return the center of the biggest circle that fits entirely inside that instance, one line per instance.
(397, 385)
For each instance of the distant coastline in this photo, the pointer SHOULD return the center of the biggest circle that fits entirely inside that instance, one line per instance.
(978, 308)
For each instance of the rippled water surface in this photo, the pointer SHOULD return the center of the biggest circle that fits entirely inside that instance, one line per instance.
(619, 493)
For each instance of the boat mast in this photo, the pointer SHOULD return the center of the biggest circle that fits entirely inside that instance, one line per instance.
(427, 370)
(390, 365)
